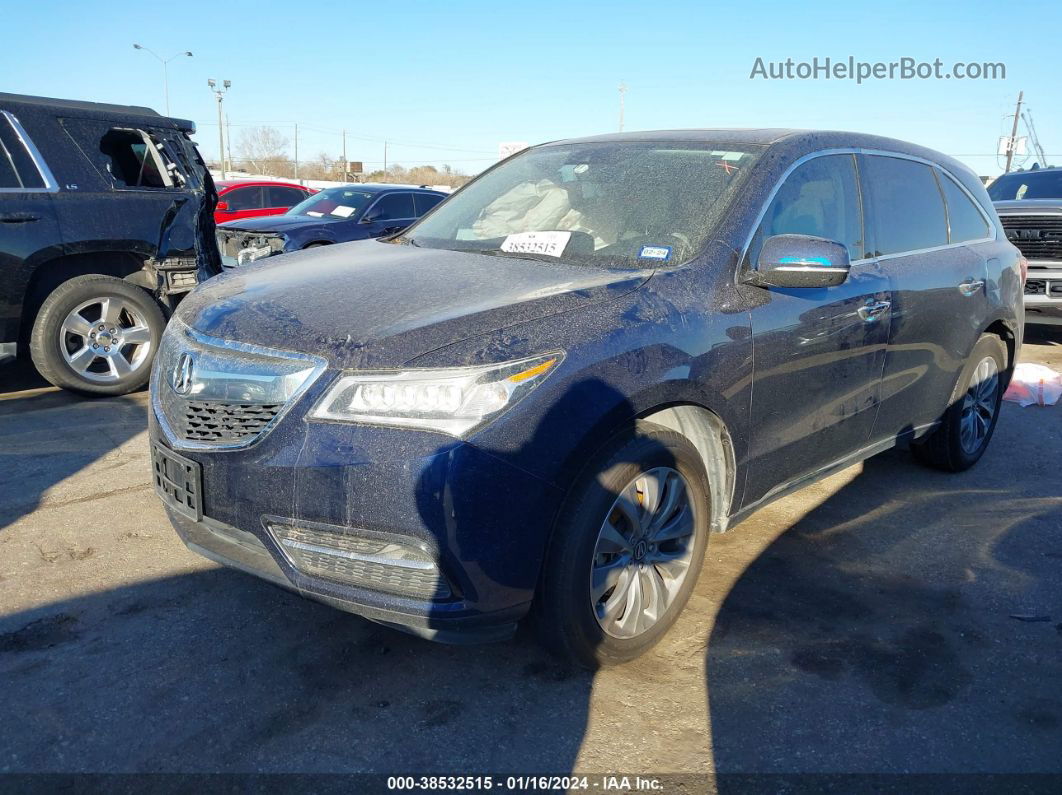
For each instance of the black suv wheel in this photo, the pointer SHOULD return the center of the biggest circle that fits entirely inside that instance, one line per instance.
(970, 420)
(97, 335)
(627, 549)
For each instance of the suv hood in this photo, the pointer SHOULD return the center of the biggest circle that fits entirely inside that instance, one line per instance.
(373, 304)
(1015, 206)
(278, 223)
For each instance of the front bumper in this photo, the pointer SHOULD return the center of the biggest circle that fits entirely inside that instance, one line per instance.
(484, 521)
(1043, 294)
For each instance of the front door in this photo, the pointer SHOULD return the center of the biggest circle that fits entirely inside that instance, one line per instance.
(818, 353)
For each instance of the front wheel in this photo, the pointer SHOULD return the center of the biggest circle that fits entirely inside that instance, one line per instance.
(97, 335)
(970, 419)
(626, 551)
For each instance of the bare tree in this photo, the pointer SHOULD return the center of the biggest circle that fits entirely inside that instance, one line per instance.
(266, 151)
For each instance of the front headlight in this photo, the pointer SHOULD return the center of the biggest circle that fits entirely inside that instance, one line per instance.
(450, 400)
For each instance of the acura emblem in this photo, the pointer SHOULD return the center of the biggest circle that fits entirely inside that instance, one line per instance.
(182, 375)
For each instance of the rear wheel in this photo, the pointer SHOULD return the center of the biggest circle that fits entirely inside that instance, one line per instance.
(970, 420)
(627, 549)
(97, 335)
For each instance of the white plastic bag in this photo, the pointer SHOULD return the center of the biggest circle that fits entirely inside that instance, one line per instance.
(1034, 384)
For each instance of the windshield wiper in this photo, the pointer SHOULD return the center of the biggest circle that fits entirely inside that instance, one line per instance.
(497, 252)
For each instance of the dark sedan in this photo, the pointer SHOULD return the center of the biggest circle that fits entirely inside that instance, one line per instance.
(334, 215)
(545, 395)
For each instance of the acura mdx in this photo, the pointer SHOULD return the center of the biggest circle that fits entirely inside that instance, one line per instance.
(542, 397)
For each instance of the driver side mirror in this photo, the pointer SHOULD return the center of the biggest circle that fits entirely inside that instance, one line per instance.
(222, 207)
(800, 261)
(370, 217)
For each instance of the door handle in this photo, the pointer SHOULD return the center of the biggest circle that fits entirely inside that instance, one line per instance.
(971, 286)
(873, 310)
(18, 218)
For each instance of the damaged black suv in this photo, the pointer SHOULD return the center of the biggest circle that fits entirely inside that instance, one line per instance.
(106, 221)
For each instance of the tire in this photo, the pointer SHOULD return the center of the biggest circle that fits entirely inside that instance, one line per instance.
(68, 325)
(946, 447)
(598, 629)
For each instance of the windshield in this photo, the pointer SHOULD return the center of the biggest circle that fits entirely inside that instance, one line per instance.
(607, 204)
(334, 202)
(1027, 185)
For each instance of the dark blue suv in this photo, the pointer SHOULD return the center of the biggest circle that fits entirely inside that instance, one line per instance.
(333, 215)
(545, 395)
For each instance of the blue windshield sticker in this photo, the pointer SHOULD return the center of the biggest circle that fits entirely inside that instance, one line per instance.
(655, 252)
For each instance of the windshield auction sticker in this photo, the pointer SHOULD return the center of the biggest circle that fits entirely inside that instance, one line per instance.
(550, 244)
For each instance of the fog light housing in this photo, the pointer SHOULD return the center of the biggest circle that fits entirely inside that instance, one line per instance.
(340, 555)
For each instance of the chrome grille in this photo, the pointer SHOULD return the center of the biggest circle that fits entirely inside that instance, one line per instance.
(1036, 236)
(224, 422)
(209, 393)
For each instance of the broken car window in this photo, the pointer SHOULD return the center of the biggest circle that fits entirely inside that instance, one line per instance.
(135, 160)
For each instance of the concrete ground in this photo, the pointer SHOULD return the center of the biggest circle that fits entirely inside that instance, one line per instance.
(891, 618)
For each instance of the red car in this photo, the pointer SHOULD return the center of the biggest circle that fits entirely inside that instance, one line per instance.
(250, 199)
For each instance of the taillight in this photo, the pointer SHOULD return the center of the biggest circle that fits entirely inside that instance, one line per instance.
(1023, 264)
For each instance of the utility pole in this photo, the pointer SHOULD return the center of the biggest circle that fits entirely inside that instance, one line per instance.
(345, 161)
(220, 94)
(1040, 156)
(385, 159)
(1013, 142)
(622, 91)
(296, 151)
(228, 140)
(165, 69)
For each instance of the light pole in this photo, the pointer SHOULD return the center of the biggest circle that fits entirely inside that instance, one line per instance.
(165, 69)
(220, 94)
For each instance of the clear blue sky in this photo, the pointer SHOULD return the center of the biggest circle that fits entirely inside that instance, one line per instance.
(463, 75)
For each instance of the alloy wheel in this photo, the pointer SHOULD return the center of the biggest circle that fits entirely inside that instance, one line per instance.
(105, 339)
(643, 553)
(979, 405)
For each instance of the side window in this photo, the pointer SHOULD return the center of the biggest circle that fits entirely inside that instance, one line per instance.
(133, 160)
(820, 198)
(965, 221)
(906, 204)
(424, 202)
(244, 199)
(17, 169)
(280, 196)
(393, 207)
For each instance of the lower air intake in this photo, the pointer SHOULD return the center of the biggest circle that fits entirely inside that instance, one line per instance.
(365, 562)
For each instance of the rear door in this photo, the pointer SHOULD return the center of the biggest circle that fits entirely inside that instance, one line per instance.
(425, 201)
(925, 230)
(281, 198)
(818, 352)
(29, 232)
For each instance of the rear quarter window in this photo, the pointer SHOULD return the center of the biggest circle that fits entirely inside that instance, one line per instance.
(965, 221)
(906, 205)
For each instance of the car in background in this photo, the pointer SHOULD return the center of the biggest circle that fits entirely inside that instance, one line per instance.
(106, 221)
(334, 215)
(555, 385)
(1029, 204)
(243, 198)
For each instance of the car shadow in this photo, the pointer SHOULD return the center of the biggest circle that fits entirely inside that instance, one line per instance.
(215, 671)
(899, 626)
(48, 434)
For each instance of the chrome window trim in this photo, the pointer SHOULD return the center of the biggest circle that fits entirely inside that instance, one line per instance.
(319, 366)
(855, 150)
(50, 185)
